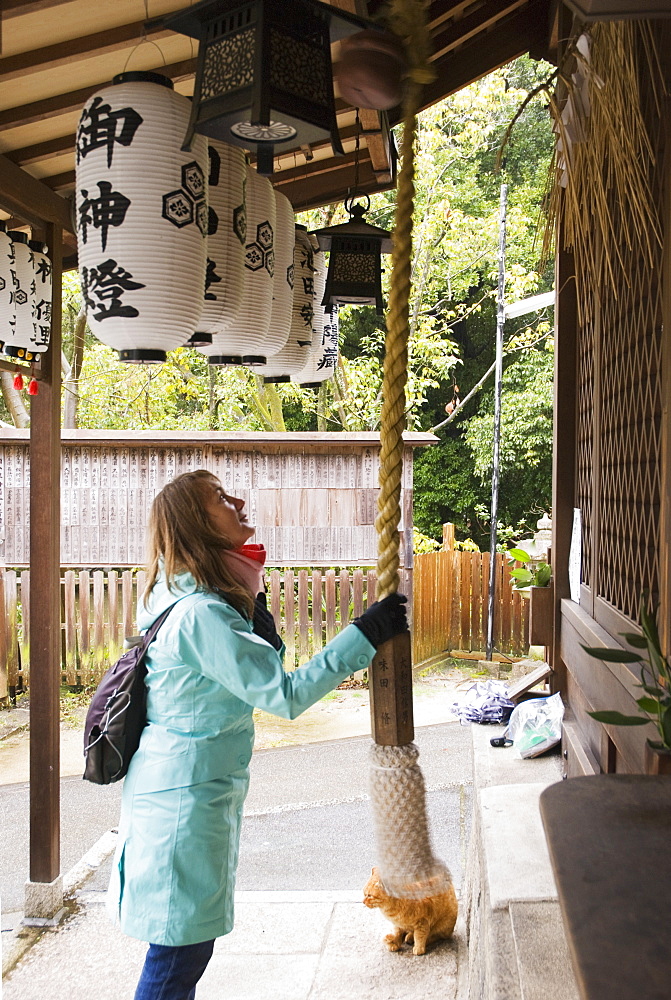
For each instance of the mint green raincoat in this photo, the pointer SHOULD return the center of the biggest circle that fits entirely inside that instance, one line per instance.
(173, 876)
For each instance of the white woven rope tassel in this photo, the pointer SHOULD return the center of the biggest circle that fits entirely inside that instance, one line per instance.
(408, 866)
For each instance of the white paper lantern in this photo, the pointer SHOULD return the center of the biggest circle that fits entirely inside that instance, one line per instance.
(283, 279)
(294, 355)
(7, 307)
(324, 349)
(226, 239)
(41, 297)
(142, 217)
(18, 342)
(283, 282)
(248, 340)
(324, 360)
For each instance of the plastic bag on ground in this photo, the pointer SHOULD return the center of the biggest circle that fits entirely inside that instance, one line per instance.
(484, 702)
(535, 725)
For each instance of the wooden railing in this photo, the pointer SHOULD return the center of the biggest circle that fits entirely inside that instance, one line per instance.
(98, 611)
(309, 607)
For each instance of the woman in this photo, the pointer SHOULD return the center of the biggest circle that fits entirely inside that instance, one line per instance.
(216, 658)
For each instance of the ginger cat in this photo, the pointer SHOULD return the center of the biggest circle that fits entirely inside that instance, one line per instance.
(416, 921)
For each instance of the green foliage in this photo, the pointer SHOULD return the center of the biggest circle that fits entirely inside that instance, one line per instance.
(534, 574)
(655, 673)
(422, 543)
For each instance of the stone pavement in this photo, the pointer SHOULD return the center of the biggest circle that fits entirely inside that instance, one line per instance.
(285, 946)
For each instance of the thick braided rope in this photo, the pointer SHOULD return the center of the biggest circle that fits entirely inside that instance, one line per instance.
(395, 371)
(408, 20)
(408, 866)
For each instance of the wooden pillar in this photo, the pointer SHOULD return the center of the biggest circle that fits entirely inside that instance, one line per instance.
(45, 618)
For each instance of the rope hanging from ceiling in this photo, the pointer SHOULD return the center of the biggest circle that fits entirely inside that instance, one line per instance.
(406, 860)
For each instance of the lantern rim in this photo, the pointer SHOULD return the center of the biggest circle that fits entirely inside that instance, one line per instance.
(142, 356)
(356, 229)
(142, 76)
(220, 360)
(18, 236)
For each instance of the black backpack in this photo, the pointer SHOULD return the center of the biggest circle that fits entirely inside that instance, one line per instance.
(118, 713)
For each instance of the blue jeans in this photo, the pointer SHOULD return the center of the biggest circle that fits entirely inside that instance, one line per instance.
(172, 973)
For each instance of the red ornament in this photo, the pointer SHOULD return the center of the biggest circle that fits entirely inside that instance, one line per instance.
(18, 381)
(33, 387)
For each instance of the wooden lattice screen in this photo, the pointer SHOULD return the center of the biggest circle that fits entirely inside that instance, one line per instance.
(619, 369)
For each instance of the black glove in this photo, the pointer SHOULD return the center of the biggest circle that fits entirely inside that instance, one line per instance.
(264, 623)
(384, 619)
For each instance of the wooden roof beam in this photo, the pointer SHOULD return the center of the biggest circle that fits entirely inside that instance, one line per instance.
(16, 8)
(63, 53)
(306, 190)
(526, 31)
(63, 104)
(30, 199)
(42, 151)
(457, 32)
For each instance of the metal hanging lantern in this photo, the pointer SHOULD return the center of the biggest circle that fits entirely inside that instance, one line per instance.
(142, 217)
(264, 79)
(355, 265)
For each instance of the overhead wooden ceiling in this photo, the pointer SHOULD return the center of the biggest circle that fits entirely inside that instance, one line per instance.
(55, 53)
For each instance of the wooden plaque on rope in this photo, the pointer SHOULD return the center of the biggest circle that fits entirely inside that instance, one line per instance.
(390, 688)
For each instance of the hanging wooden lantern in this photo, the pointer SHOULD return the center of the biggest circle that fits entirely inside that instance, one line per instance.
(247, 340)
(294, 355)
(41, 295)
(19, 335)
(226, 238)
(264, 79)
(142, 217)
(619, 10)
(355, 266)
(7, 307)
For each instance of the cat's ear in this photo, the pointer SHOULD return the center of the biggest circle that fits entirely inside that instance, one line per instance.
(375, 871)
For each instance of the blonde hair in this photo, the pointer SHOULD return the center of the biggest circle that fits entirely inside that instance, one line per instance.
(181, 539)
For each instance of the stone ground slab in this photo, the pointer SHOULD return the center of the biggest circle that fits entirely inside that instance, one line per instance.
(355, 962)
(322, 949)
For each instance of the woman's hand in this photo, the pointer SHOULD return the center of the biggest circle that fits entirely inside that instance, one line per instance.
(384, 619)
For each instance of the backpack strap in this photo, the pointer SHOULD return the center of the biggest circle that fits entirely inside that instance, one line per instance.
(150, 635)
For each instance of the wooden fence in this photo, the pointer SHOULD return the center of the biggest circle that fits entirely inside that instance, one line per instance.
(450, 598)
(310, 607)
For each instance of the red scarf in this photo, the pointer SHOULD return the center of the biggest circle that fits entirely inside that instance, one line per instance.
(246, 564)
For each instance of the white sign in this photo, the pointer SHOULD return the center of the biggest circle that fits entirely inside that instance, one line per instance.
(575, 556)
